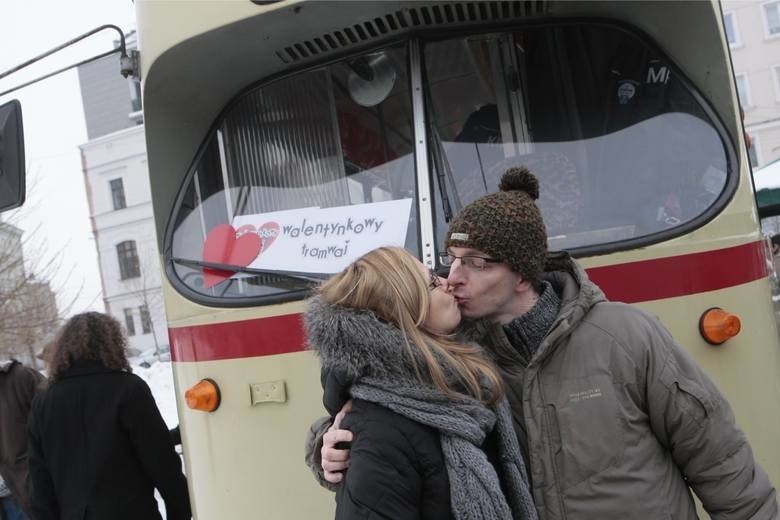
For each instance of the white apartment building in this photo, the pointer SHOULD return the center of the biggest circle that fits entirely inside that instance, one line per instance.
(753, 31)
(120, 204)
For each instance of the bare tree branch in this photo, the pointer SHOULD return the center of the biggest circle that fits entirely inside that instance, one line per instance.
(28, 307)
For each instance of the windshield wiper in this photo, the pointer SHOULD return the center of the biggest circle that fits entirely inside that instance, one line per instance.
(443, 174)
(441, 164)
(294, 275)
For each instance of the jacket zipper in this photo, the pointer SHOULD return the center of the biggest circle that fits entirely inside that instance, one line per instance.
(550, 447)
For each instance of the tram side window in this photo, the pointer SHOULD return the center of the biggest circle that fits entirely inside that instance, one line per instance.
(339, 136)
(621, 147)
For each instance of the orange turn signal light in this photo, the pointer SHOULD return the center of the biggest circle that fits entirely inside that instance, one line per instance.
(204, 396)
(717, 325)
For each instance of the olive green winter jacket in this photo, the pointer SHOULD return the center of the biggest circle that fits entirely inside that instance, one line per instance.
(618, 421)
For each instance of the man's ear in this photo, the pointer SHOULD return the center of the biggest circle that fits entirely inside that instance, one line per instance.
(522, 285)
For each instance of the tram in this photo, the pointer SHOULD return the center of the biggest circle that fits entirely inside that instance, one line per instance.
(286, 138)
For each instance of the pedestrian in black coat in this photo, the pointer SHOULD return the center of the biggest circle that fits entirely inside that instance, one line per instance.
(98, 446)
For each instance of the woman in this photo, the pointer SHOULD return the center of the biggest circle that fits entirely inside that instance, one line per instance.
(98, 446)
(432, 431)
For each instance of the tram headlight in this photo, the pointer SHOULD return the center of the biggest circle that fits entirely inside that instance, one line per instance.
(717, 325)
(203, 396)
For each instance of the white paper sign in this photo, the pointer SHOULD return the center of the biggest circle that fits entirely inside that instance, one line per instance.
(325, 240)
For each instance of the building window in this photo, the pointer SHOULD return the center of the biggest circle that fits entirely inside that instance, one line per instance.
(118, 193)
(776, 81)
(732, 32)
(772, 18)
(128, 260)
(129, 322)
(135, 95)
(753, 155)
(146, 319)
(753, 151)
(743, 90)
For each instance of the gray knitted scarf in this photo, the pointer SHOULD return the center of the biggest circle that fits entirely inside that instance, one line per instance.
(526, 332)
(371, 356)
(463, 422)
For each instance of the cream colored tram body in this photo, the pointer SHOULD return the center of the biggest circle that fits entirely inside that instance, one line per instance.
(267, 122)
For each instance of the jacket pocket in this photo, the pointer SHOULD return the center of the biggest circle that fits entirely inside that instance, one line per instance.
(690, 397)
(586, 428)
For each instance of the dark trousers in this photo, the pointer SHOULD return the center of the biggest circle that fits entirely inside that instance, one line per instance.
(10, 510)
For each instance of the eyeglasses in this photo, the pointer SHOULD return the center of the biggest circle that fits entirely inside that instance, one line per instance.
(434, 282)
(475, 263)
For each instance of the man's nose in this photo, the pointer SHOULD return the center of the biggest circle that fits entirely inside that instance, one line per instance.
(456, 276)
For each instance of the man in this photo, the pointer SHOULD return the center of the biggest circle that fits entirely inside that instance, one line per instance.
(615, 419)
(18, 386)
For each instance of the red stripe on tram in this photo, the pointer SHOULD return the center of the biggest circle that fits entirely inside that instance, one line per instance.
(682, 275)
(238, 339)
(630, 282)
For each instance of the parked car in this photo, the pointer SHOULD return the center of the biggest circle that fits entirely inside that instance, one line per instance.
(150, 356)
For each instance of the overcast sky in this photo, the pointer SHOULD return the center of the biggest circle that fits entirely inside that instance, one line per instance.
(55, 217)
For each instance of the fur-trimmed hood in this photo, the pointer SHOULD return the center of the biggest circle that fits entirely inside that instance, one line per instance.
(354, 344)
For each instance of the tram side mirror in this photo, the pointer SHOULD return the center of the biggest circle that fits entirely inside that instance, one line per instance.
(12, 169)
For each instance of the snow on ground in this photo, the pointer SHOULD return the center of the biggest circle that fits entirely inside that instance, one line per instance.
(768, 176)
(159, 377)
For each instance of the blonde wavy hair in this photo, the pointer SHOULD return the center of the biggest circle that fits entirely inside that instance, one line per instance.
(388, 282)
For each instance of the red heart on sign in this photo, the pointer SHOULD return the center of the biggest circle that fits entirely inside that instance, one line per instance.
(222, 247)
(268, 233)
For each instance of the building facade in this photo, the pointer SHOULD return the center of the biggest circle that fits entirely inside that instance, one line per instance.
(28, 306)
(120, 204)
(111, 102)
(753, 30)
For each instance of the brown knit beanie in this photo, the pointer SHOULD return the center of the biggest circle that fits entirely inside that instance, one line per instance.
(506, 225)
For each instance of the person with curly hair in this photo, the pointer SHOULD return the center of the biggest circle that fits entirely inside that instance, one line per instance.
(98, 446)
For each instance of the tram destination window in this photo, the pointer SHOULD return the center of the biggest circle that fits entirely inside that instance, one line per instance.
(323, 159)
(621, 147)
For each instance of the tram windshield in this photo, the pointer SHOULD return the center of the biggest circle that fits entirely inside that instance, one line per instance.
(622, 147)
